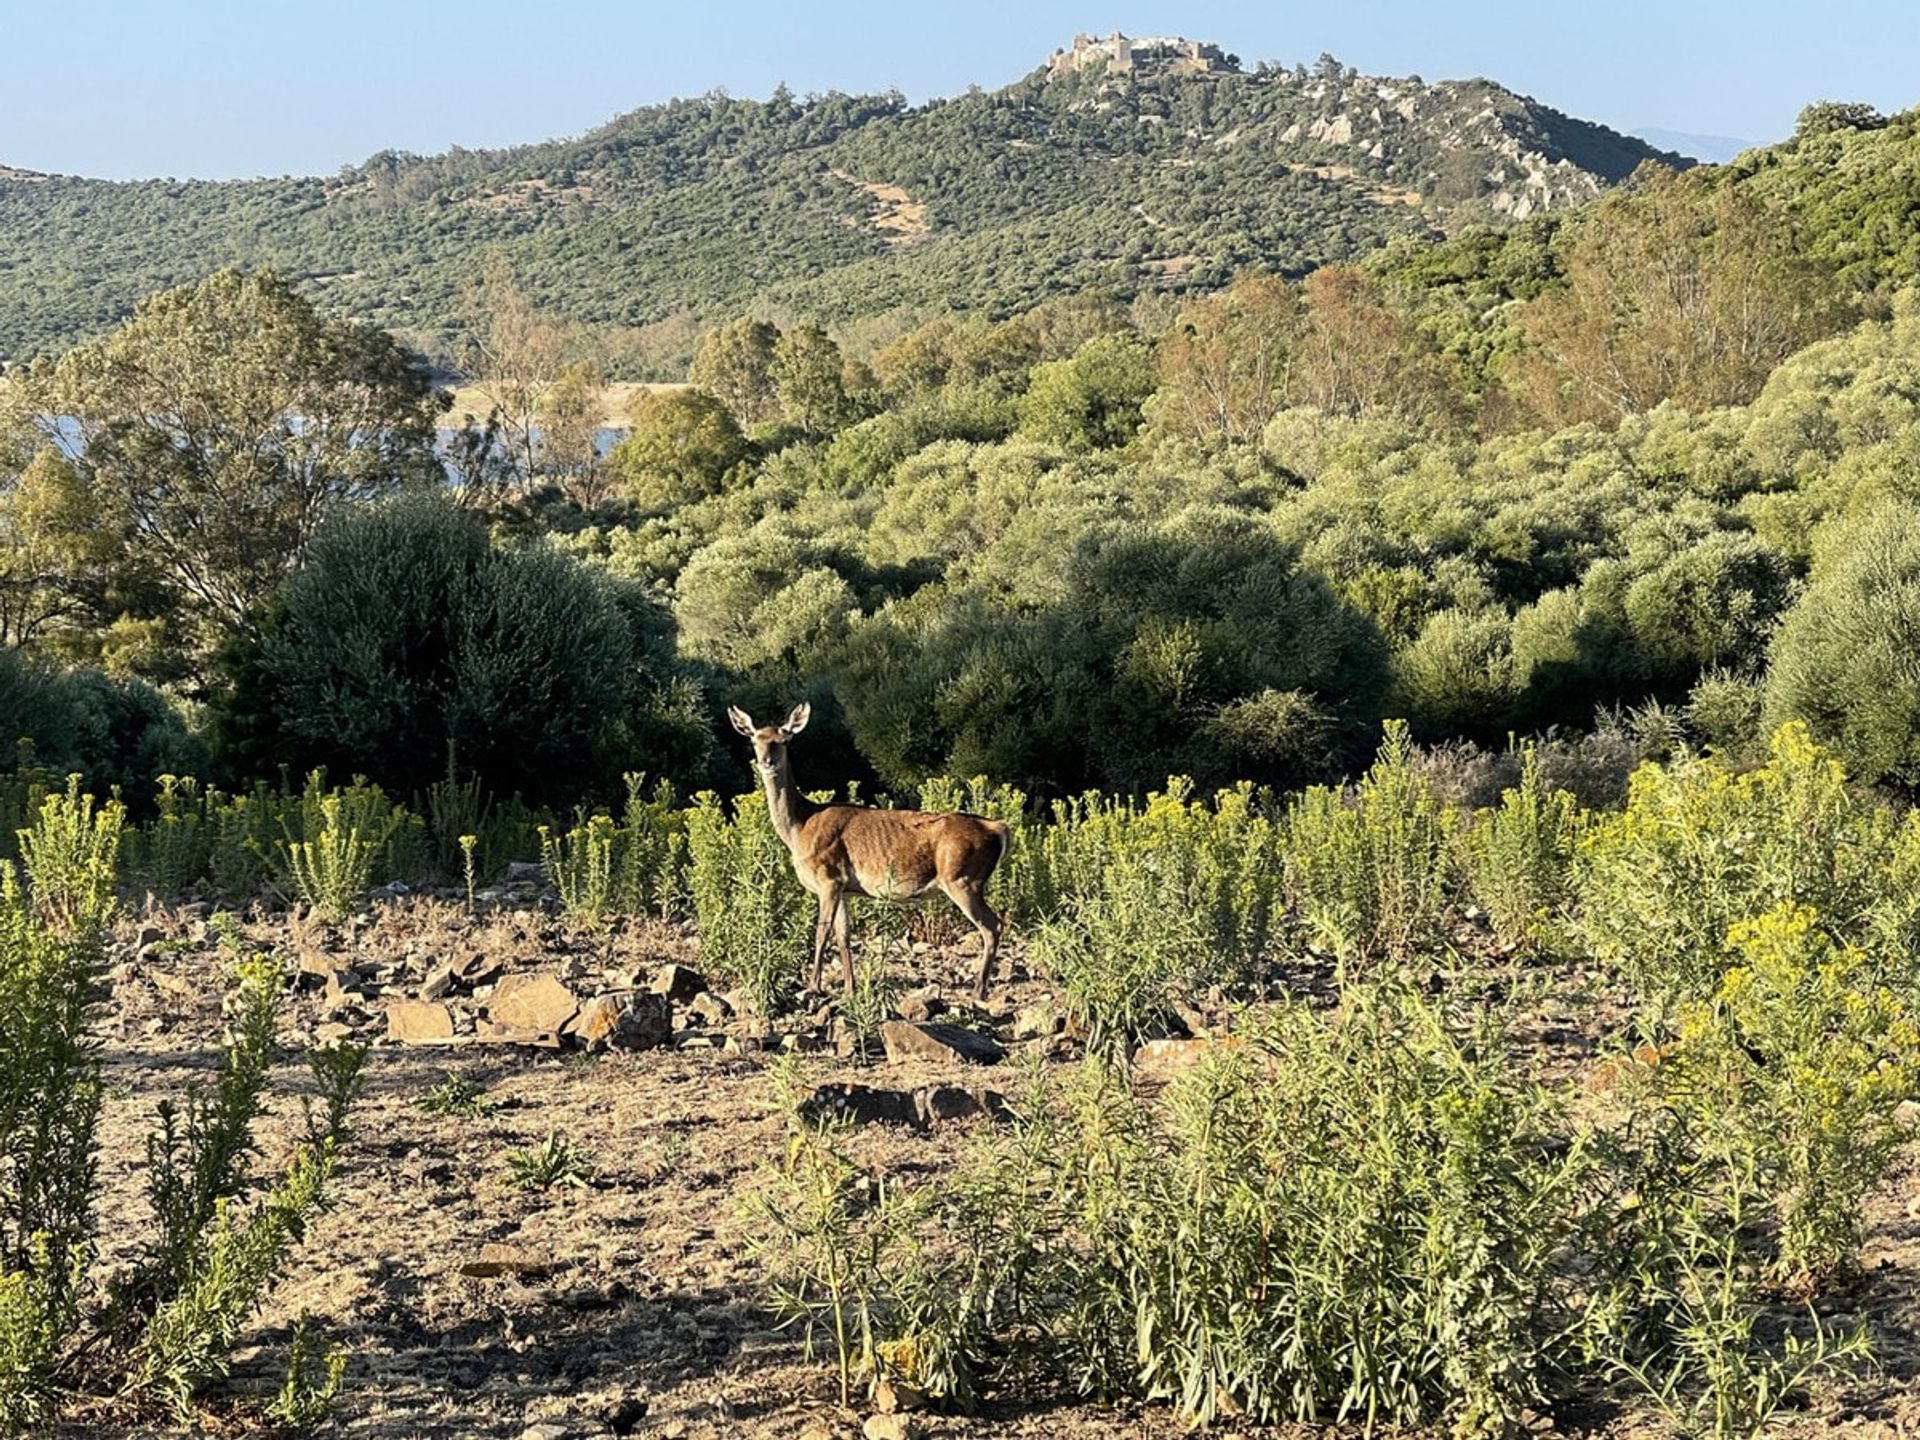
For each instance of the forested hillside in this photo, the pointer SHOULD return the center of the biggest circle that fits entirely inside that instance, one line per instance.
(832, 207)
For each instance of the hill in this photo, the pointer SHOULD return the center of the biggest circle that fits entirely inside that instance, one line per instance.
(1162, 172)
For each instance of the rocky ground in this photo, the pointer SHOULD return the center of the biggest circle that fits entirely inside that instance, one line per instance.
(630, 1304)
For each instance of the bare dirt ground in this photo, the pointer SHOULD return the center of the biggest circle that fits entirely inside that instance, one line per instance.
(643, 1313)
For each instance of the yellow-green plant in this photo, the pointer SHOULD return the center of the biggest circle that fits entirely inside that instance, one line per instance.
(579, 865)
(1372, 874)
(828, 1245)
(333, 867)
(1699, 848)
(756, 923)
(650, 876)
(1800, 1061)
(1518, 856)
(72, 856)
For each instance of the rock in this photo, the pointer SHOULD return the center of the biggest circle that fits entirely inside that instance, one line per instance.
(623, 1417)
(678, 983)
(546, 1430)
(863, 1105)
(645, 1022)
(438, 984)
(890, 1427)
(945, 1043)
(342, 988)
(148, 934)
(920, 1005)
(846, 1041)
(532, 1002)
(312, 967)
(476, 970)
(419, 1022)
(495, 1259)
(1162, 1060)
(802, 1042)
(598, 1020)
(331, 1032)
(525, 872)
(709, 1011)
(956, 1102)
(492, 1032)
(890, 1397)
(1039, 1021)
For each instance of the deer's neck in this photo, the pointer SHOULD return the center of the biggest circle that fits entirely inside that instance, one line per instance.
(788, 807)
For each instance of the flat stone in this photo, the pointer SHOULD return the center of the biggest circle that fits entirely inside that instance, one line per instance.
(438, 984)
(1039, 1021)
(532, 1002)
(678, 983)
(890, 1427)
(498, 1258)
(906, 1040)
(419, 1022)
(492, 1032)
(891, 1397)
(546, 1430)
(921, 1006)
(709, 1011)
(476, 969)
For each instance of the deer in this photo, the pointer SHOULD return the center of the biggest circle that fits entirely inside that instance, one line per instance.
(900, 855)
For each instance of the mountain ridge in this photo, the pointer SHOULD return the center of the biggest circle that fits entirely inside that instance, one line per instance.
(839, 207)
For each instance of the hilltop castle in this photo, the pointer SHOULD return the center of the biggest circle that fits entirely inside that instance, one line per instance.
(1153, 55)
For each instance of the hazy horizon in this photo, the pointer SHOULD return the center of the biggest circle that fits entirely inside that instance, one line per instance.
(235, 91)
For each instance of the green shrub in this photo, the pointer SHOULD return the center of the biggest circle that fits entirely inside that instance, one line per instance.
(1797, 1066)
(1840, 661)
(829, 1248)
(555, 1162)
(406, 631)
(1151, 905)
(1518, 856)
(1371, 876)
(756, 923)
(166, 1327)
(52, 961)
(1349, 1216)
(1699, 849)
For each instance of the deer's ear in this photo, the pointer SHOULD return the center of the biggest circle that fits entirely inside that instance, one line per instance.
(742, 721)
(797, 721)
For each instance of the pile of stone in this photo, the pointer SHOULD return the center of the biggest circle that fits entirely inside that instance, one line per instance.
(472, 1002)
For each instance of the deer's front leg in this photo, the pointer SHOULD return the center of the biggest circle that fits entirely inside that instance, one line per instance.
(823, 923)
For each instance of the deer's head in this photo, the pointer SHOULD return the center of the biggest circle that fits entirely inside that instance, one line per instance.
(770, 741)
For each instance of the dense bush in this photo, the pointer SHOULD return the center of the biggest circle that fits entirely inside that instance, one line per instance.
(1842, 662)
(1701, 848)
(407, 632)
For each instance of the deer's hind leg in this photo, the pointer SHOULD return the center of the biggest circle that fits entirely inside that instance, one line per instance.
(842, 921)
(972, 901)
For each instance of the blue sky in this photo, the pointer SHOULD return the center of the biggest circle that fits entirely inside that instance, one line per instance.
(224, 88)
